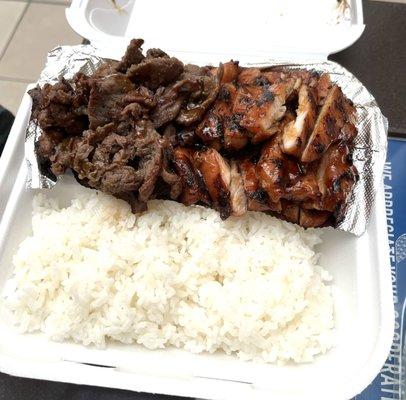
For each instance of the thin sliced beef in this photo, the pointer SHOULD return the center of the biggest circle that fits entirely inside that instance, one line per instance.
(107, 99)
(62, 107)
(132, 56)
(155, 72)
(200, 99)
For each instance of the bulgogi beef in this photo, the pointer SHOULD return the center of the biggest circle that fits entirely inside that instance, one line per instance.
(232, 138)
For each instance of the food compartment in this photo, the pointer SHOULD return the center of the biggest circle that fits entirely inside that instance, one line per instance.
(362, 298)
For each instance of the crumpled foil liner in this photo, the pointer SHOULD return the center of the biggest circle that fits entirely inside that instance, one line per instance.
(62, 62)
(369, 146)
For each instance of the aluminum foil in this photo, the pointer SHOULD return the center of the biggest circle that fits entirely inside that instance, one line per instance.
(369, 146)
(62, 62)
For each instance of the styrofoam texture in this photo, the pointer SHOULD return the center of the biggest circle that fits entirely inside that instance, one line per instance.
(363, 307)
(360, 266)
(213, 30)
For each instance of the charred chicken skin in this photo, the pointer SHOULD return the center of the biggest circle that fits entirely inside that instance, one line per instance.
(231, 138)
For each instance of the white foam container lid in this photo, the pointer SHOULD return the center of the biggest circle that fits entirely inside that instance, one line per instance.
(360, 266)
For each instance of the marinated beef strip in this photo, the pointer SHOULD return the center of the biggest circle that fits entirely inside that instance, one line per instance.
(62, 107)
(106, 99)
(205, 87)
(132, 56)
(231, 138)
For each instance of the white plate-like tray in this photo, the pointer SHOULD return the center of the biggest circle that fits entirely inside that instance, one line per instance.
(363, 307)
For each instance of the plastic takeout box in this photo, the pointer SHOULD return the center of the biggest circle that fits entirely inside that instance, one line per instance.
(359, 266)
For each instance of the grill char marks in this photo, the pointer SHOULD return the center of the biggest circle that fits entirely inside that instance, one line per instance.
(232, 138)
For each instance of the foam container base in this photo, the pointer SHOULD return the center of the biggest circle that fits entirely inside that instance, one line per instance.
(363, 307)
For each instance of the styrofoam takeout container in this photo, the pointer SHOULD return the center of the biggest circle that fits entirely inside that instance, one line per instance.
(359, 266)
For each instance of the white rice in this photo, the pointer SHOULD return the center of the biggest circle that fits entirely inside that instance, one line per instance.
(174, 276)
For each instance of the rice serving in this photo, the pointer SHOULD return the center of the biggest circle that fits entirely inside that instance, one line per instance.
(173, 276)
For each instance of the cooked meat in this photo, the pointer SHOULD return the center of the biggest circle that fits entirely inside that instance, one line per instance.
(270, 170)
(155, 72)
(296, 133)
(328, 125)
(210, 130)
(106, 99)
(194, 189)
(249, 76)
(156, 53)
(290, 211)
(335, 177)
(168, 104)
(102, 156)
(231, 138)
(262, 107)
(234, 136)
(229, 71)
(323, 87)
(313, 218)
(170, 178)
(63, 154)
(141, 95)
(237, 193)
(200, 99)
(257, 198)
(220, 127)
(63, 106)
(217, 176)
(132, 56)
(47, 144)
(187, 136)
(302, 186)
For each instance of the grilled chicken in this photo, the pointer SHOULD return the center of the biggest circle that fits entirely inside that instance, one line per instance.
(249, 76)
(235, 139)
(302, 184)
(237, 193)
(262, 107)
(328, 125)
(270, 170)
(290, 211)
(313, 218)
(335, 176)
(297, 132)
(257, 198)
(217, 177)
(220, 126)
(229, 71)
(323, 87)
(194, 190)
